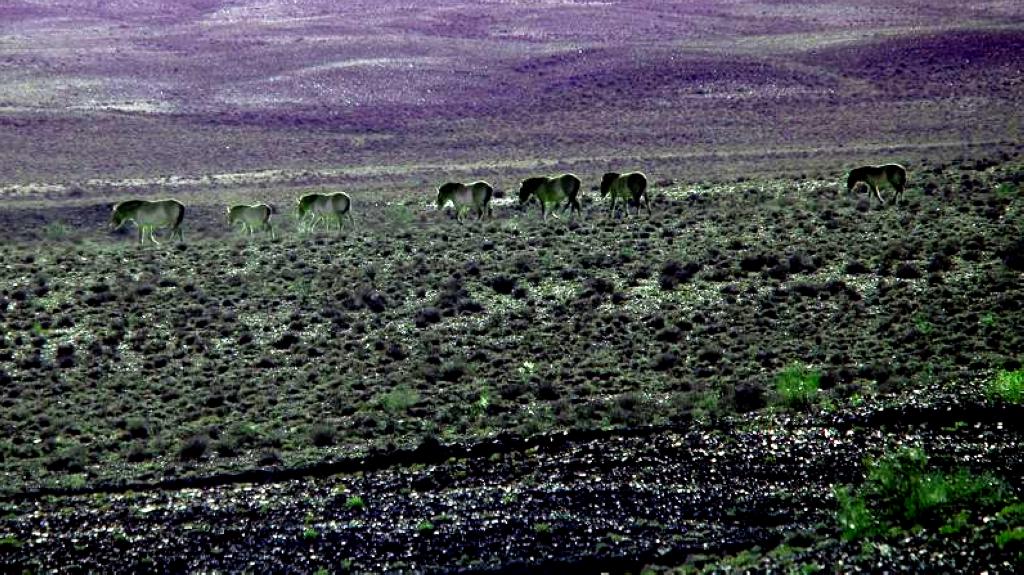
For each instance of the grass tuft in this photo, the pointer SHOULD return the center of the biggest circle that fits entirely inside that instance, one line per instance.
(797, 386)
(1007, 386)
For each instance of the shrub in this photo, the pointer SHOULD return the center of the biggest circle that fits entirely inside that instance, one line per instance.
(1007, 386)
(137, 428)
(194, 447)
(1010, 536)
(355, 502)
(901, 491)
(55, 231)
(322, 435)
(1006, 190)
(797, 386)
(72, 459)
(398, 400)
(425, 527)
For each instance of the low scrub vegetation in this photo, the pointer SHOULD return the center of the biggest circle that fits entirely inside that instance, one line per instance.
(902, 491)
(1007, 386)
(797, 386)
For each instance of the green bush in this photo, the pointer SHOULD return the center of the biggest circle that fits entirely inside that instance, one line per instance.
(398, 400)
(901, 491)
(1007, 386)
(797, 386)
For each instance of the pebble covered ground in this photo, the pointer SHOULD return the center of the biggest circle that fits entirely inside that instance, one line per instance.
(614, 503)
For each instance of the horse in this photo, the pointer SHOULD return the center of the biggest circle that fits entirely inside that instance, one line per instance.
(629, 186)
(252, 218)
(149, 215)
(318, 206)
(552, 191)
(475, 195)
(886, 175)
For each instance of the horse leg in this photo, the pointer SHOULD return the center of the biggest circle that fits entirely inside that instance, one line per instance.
(270, 228)
(351, 220)
(647, 204)
(543, 211)
(152, 238)
(878, 194)
(140, 235)
(611, 211)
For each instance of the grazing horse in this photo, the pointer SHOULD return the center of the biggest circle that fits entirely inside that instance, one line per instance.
(317, 207)
(630, 187)
(252, 218)
(551, 192)
(886, 175)
(476, 195)
(148, 216)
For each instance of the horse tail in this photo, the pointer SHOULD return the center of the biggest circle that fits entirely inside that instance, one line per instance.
(637, 183)
(900, 176)
(181, 215)
(571, 185)
(606, 182)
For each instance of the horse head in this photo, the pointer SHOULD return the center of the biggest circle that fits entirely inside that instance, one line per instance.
(606, 182)
(445, 193)
(528, 187)
(118, 216)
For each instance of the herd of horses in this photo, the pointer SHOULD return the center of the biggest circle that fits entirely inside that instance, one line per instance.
(563, 190)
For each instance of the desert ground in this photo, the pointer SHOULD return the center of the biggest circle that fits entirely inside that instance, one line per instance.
(769, 373)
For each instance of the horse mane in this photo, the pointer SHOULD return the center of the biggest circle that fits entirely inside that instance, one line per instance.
(530, 185)
(447, 188)
(128, 204)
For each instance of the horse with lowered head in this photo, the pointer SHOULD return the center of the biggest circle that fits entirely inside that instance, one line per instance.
(252, 218)
(887, 175)
(148, 215)
(317, 207)
(475, 195)
(630, 186)
(552, 191)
